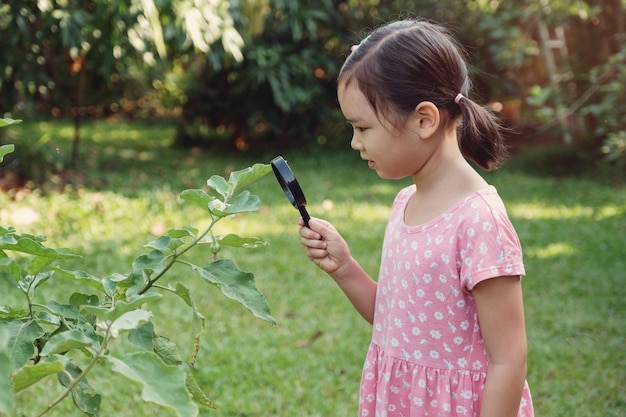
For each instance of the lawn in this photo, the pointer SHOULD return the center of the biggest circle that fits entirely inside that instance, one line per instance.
(573, 229)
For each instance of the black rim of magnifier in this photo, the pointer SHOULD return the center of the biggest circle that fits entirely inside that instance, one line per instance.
(290, 186)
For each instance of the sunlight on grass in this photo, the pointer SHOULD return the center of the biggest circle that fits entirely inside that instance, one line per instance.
(543, 212)
(552, 250)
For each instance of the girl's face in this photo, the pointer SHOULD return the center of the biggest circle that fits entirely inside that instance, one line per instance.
(394, 153)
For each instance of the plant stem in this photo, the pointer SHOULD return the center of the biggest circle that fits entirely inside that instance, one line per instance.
(82, 375)
(175, 257)
(214, 254)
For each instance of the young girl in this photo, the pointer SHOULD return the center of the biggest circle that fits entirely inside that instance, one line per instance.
(449, 337)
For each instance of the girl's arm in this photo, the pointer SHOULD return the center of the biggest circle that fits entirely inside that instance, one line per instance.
(501, 316)
(329, 251)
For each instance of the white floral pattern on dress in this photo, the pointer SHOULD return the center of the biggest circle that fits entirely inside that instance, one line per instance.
(427, 357)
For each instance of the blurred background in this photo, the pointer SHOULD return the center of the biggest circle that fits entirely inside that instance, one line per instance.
(260, 74)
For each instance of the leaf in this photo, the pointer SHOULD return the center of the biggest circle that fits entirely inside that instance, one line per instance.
(165, 243)
(236, 285)
(243, 202)
(31, 245)
(29, 284)
(66, 311)
(185, 231)
(184, 293)
(85, 397)
(240, 179)
(151, 262)
(121, 307)
(82, 277)
(220, 185)
(8, 121)
(198, 320)
(195, 390)
(43, 317)
(161, 384)
(21, 339)
(231, 189)
(78, 299)
(4, 231)
(6, 391)
(28, 375)
(143, 336)
(5, 150)
(115, 282)
(8, 313)
(241, 242)
(132, 320)
(197, 197)
(37, 264)
(13, 267)
(166, 350)
(67, 341)
(72, 318)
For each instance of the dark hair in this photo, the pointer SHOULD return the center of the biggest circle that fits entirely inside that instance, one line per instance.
(407, 62)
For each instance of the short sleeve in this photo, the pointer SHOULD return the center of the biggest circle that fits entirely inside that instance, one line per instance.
(488, 243)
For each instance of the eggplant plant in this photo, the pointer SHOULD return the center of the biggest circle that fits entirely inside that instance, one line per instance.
(67, 339)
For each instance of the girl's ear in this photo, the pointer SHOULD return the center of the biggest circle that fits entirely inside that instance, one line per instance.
(426, 119)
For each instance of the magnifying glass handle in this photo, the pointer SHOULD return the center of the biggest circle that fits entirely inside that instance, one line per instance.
(305, 215)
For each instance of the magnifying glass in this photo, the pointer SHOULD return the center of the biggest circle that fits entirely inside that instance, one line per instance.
(288, 182)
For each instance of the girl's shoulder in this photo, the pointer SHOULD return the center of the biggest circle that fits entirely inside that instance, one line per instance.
(405, 194)
(401, 199)
(485, 200)
(484, 204)
(484, 212)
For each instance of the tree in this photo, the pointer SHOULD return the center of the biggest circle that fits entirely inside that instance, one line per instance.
(54, 47)
(283, 89)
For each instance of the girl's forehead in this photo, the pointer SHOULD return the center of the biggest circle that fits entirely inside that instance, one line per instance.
(352, 99)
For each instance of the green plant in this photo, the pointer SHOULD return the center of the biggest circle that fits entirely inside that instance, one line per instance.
(35, 160)
(614, 147)
(40, 339)
(7, 149)
(601, 105)
(606, 107)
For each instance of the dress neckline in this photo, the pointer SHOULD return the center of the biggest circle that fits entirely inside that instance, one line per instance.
(490, 189)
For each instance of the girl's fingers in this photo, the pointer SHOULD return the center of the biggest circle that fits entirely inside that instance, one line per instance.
(314, 231)
(314, 244)
(316, 253)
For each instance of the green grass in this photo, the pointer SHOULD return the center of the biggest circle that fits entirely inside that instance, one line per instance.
(573, 230)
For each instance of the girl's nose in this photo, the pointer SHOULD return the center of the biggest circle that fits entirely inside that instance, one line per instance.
(355, 144)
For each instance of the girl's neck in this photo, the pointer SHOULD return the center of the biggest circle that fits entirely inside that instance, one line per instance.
(446, 167)
(446, 179)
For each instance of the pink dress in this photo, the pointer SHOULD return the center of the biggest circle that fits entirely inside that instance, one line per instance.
(427, 357)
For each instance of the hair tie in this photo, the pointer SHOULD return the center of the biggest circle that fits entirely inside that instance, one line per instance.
(353, 47)
(458, 98)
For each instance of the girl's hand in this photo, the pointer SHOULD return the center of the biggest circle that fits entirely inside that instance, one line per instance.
(325, 247)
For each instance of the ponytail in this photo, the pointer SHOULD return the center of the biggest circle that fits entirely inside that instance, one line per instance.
(481, 138)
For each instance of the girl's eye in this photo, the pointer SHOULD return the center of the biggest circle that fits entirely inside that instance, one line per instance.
(360, 129)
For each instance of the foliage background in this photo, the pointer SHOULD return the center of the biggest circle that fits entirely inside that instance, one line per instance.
(259, 74)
